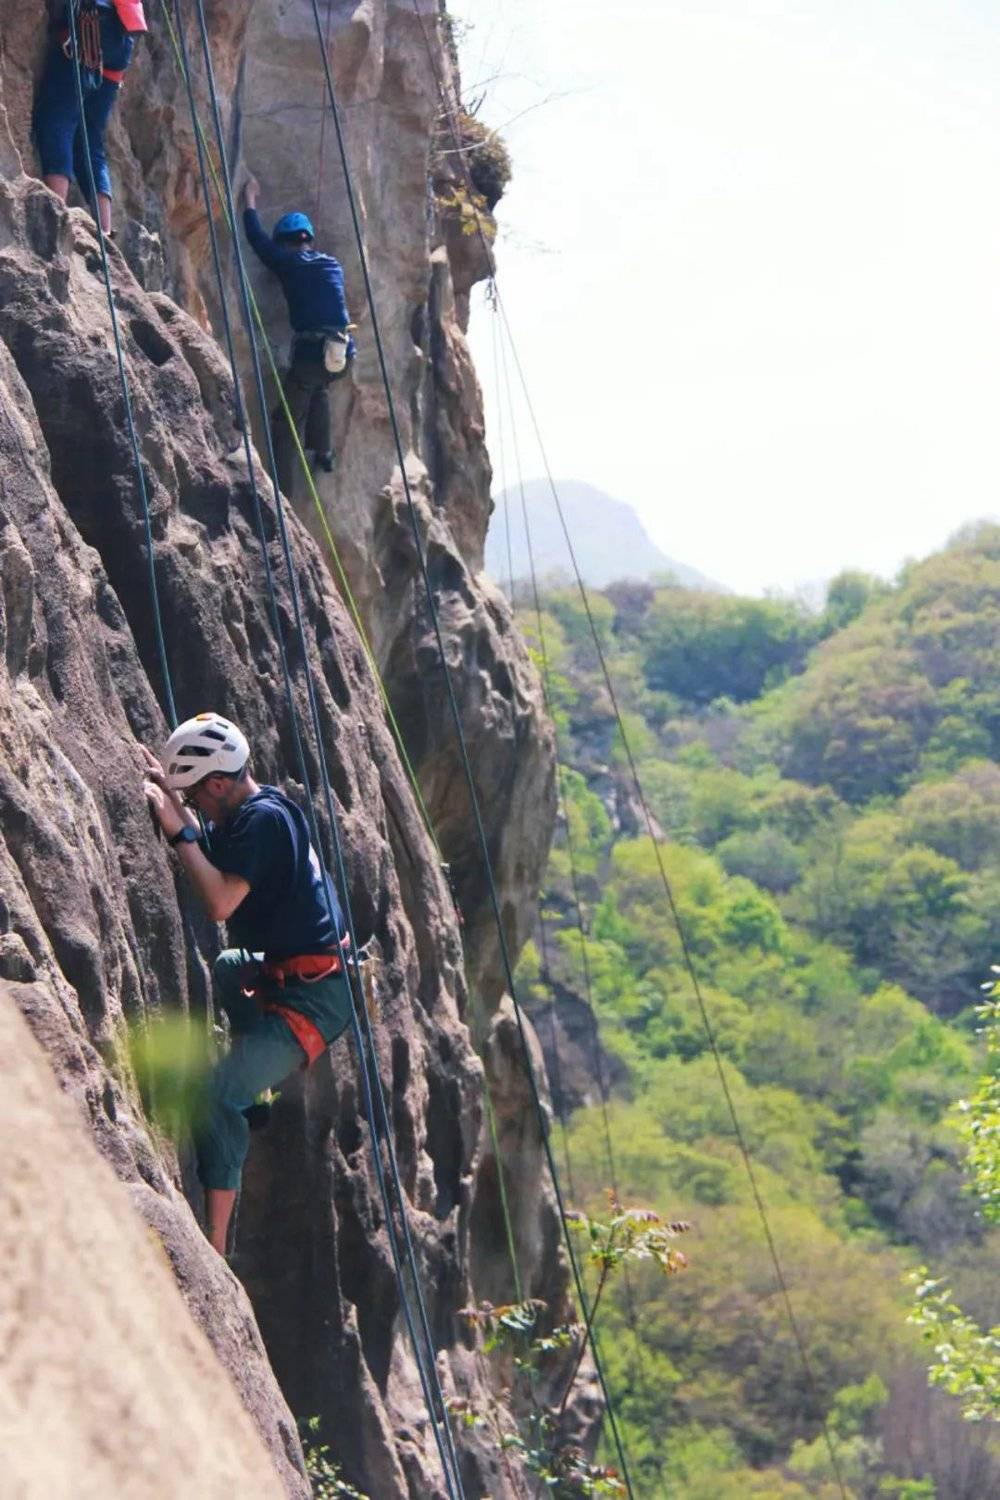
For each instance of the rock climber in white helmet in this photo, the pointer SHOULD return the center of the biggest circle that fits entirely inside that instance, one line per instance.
(282, 981)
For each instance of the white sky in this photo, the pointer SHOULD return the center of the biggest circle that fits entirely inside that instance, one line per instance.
(752, 264)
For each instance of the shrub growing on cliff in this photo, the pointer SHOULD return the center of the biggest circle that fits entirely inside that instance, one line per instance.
(486, 155)
(324, 1475)
(532, 1433)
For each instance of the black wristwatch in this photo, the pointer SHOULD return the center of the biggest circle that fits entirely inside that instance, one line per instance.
(185, 835)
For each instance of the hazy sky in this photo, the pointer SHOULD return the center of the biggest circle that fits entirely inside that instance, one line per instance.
(752, 262)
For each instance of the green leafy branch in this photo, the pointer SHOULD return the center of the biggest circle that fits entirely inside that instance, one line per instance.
(501, 1324)
(967, 1359)
(566, 1472)
(633, 1234)
(324, 1474)
(470, 210)
(979, 1116)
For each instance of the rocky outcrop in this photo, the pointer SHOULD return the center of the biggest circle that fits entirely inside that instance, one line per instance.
(579, 1070)
(95, 931)
(79, 1412)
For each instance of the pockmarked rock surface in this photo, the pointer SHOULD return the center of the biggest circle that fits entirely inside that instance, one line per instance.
(389, 69)
(97, 932)
(79, 1412)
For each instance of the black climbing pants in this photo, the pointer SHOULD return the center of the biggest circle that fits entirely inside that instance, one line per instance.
(306, 385)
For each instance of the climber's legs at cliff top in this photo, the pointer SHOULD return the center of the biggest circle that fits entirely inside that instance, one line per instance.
(263, 1053)
(58, 133)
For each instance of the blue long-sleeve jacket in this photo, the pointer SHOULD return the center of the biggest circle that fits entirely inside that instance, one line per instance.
(313, 283)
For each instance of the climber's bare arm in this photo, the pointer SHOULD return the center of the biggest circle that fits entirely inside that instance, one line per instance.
(152, 771)
(219, 893)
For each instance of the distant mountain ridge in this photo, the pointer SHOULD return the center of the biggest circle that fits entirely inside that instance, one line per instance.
(609, 540)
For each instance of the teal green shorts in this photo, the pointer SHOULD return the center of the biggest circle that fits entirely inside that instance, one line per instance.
(263, 1051)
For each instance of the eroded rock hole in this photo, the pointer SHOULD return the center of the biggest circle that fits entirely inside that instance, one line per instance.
(402, 1117)
(151, 341)
(444, 1141)
(349, 1136)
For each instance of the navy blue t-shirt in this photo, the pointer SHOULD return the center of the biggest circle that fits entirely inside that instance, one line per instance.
(285, 911)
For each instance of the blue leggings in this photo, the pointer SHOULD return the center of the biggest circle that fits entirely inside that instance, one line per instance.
(263, 1051)
(59, 139)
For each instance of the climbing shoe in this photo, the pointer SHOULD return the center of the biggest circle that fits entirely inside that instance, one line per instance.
(258, 1114)
(324, 461)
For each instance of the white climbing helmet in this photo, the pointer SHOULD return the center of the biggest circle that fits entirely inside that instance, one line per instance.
(202, 746)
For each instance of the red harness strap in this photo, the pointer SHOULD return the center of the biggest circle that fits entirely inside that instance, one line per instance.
(308, 967)
(305, 1032)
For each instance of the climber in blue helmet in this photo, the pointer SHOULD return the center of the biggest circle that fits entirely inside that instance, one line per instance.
(322, 347)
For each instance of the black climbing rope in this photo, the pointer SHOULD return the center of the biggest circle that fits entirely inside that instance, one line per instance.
(372, 1085)
(180, 54)
(596, 1050)
(462, 745)
(503, 466)
(597, 1056)
(686, 951)
(161, 645)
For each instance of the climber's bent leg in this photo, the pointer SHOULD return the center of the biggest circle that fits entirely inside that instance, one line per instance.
(258, 1058)
(263, 1052)
(218, 1212)
(117, 47)
(97, 112)
(234, 972)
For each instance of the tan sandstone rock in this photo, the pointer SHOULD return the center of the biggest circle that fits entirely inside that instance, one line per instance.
(106, 1386)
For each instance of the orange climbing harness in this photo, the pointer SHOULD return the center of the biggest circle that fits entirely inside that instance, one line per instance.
(308, 968)
(305, 1032)
(305, 966)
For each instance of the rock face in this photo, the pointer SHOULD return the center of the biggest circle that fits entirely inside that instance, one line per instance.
(78, 1352)
(95, 930)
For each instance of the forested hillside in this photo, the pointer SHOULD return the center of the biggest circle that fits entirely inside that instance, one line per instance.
(828, 789)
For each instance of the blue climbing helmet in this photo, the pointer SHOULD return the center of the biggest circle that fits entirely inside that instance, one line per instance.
(290, 224)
